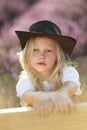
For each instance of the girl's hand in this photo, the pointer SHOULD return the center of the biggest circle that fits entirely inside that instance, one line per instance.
(62, 103)
(54, 101)
(44, 107)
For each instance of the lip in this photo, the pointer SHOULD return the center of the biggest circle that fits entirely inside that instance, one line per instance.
(41, 63)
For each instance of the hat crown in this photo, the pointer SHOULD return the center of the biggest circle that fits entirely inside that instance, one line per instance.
(45, 27)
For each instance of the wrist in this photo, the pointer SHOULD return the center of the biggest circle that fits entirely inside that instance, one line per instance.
(64, 92)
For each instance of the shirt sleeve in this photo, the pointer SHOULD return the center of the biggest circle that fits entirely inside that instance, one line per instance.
(23, 85)
(71, 74)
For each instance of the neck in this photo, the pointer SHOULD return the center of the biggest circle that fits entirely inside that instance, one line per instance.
(44, 76)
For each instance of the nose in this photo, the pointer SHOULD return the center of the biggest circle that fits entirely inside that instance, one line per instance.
(42, 55)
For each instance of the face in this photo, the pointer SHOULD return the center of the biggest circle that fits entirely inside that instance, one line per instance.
(44, 54)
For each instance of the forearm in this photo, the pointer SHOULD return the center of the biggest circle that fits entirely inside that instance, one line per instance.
(68, 89)
(32, 97)
(46, 102)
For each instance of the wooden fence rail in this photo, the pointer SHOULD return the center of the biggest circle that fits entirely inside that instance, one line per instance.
(27, 119)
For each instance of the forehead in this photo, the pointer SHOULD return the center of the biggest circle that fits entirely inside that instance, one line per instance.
(45, 41)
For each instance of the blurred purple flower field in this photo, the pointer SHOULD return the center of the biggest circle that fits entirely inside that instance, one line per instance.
(19, 15)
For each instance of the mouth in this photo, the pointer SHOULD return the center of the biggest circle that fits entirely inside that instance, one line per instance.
(41, 63)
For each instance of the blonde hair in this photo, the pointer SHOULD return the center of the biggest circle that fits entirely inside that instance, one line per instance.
(56, 72)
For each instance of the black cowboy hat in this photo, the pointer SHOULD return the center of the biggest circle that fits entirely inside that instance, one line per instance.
(48, 29)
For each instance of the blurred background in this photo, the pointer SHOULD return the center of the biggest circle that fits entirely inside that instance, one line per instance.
(70, 15)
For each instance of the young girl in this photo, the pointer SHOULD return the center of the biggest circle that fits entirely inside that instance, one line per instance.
(47, 81)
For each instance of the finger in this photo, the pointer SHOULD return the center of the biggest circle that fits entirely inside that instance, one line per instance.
(59, 106)
(68, 106)
(48, 108)
(44, 108)
(71, 105)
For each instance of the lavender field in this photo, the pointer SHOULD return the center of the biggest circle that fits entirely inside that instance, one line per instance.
(19, 15)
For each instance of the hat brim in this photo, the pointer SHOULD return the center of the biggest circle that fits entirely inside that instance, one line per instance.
(67, 43)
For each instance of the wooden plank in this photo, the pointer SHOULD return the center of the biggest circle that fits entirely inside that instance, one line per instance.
(83, 97)
(27, 119)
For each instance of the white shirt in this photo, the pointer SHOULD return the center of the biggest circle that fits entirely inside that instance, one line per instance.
(69, 74)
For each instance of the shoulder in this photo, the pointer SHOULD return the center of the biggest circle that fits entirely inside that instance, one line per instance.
(70, 74)
(23, 85)
(70, 70)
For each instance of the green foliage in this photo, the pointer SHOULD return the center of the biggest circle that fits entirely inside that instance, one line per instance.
(8, 97)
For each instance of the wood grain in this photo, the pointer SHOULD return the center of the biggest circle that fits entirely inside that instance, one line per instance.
(27, 119)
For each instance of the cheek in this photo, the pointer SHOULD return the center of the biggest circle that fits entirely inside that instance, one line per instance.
(32, 60)
(52, 59)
